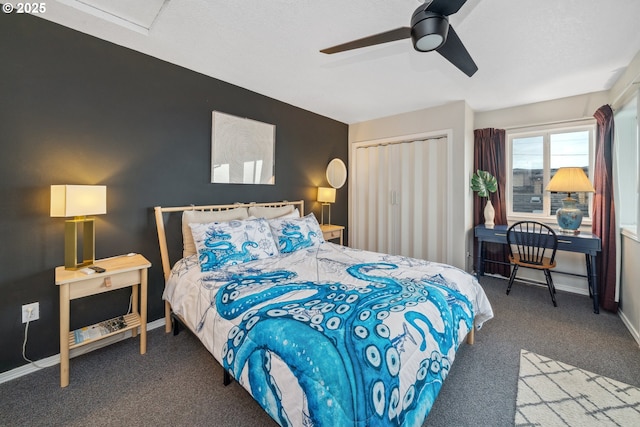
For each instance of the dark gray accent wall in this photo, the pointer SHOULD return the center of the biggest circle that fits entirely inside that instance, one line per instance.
(75, 109)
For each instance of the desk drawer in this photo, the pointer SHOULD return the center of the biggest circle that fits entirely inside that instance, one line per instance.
(585, 243)
(328, 235)
(494, 235)
(103, 282)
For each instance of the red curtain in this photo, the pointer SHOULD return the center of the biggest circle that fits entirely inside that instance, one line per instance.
(603, 218)
(489, 155)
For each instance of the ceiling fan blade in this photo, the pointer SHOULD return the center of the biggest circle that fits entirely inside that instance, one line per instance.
(454, 51)
(388, 36)
(445, 7)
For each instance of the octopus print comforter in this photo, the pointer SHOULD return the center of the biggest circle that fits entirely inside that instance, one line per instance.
(331, 335)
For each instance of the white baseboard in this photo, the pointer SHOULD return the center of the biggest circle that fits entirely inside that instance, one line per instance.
(559, 286)
(569, 288)
(55, 359)
(634, 332)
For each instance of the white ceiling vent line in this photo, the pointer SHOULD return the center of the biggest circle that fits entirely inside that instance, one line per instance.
(138, 16)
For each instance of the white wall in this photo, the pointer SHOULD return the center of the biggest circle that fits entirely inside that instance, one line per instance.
(630, 287)
(456, 117)
(626, 84)
(540, 113)
(625, 87)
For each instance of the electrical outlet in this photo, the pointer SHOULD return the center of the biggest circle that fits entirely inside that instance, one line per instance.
(30, 312)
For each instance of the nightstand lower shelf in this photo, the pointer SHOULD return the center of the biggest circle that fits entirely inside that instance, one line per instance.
(133, 323)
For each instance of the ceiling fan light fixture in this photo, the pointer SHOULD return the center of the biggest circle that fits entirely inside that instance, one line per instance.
(429, 42)
(428, 31)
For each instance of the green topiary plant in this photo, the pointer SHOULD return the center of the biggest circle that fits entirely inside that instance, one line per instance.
(483, 183)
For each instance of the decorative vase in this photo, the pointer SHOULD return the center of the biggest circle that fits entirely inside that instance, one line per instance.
(489, 214)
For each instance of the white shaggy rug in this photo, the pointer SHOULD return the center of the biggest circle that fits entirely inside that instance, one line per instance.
(551, 393)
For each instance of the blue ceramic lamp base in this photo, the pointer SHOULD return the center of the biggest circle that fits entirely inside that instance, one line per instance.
(569, 216)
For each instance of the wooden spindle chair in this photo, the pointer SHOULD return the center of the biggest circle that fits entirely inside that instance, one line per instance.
(532, 245)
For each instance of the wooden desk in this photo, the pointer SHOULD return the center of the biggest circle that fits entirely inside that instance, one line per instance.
(586, 243)
(121, 272)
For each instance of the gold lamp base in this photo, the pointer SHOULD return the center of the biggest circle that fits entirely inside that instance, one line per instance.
(71, 227)
(322, 213)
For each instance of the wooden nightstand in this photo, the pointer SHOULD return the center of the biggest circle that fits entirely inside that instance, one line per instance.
(330, 232)
(121, 272)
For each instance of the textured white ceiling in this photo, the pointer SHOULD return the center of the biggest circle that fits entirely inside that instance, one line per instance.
(526, 51)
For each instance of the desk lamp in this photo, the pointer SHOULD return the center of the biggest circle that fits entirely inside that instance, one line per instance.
(78, 201)
(569, 180)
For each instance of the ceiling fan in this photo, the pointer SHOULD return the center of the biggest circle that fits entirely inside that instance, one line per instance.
(430, 30)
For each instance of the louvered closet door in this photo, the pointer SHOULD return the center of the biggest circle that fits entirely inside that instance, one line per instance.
(400, 198)
(372, 199)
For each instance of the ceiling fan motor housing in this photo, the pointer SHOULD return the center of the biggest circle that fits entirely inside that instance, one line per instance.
(428, 30)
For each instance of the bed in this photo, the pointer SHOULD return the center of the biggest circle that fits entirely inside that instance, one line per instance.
(318, 333)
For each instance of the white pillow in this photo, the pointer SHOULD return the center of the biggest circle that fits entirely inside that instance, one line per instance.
(293, 234)
(204, 217)
(268, 212)
(234, 242)
(294, 214)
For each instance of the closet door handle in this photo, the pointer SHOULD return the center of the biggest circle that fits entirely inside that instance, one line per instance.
(393, 197)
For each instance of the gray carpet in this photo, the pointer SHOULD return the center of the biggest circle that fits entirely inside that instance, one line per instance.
(178, 383)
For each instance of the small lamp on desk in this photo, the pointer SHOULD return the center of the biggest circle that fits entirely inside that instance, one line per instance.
(78, 201)
(569, 180)
(326, 196)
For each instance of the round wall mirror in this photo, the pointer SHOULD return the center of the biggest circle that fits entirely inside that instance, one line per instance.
(336, 173)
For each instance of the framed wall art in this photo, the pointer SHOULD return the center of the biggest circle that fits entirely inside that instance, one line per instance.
(242, 150)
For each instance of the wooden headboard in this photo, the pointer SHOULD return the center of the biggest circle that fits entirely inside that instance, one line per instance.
(162, 235)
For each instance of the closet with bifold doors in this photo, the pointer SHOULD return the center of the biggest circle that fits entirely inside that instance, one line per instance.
(401, 197)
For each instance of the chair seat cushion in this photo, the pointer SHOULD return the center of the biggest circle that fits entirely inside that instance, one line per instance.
(546, 262)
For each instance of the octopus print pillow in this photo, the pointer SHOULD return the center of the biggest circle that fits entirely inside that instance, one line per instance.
(293, 234)
(234, 242)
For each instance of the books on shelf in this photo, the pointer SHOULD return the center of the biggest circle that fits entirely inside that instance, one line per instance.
(99, 329)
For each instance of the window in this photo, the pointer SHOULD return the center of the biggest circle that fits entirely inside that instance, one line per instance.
(535, 155)
(628, 165)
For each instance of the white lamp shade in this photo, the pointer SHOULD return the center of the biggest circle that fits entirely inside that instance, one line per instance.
(78, 200)
(570, 180)
(326, 195)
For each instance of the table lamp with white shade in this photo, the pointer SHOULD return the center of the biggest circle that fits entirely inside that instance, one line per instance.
(326, 196)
